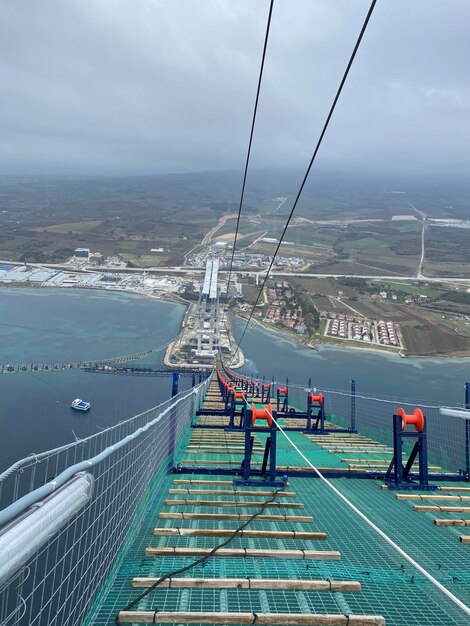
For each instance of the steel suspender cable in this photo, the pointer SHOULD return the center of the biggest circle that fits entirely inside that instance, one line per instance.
(312, 160)
(253, 121)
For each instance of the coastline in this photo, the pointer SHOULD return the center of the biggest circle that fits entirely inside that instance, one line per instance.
(324, 344)
(172, 298)
(462, 354)
(166, 297)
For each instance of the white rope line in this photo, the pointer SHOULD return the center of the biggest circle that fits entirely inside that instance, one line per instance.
(374, 527)
(363, 397)
(347, 393)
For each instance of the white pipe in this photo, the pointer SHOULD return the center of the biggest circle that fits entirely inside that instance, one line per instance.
(462, 413)
(26, 537)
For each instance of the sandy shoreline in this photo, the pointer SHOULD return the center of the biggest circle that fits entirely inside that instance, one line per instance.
(459, 354)
(169, 297)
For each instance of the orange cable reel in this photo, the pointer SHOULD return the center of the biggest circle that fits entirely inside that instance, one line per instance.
(416, 419)
(316, 399)
(262, 414)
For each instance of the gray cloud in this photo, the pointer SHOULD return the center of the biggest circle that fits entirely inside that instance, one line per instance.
(126, 87)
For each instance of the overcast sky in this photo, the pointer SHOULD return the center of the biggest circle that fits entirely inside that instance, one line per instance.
(154, 86)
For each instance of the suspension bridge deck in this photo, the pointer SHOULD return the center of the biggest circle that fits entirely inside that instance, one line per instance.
(306, 559)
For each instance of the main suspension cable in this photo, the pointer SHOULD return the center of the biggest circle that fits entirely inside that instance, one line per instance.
(247, 162)
(312, 160)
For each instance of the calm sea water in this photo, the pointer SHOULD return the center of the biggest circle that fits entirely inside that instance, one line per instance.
(45, 325)
(41, 325)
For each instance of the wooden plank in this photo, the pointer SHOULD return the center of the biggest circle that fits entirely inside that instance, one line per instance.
(338, 443)
(222, 442)
(215, 443)
(418, 496)
(215, 438)
(452, 522)
(242, 503)
(209, 434)
(216, 446)
(337, 436)
(359, 461)
(200, 481)
(304, 555)
(343, 440)
(385, 465)
(214, 404)
(231, 445)
(444, 509)
(227, 532)
(351, 444)
(363, 452)
(305, 468)
(203, 462)
(250, 583)
(212, 435)
(287, 619)
(216, 433)
(237, 516)
(220, 451)
(355, 449)
(234, 492)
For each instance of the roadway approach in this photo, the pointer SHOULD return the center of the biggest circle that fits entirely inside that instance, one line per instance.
(259, 273)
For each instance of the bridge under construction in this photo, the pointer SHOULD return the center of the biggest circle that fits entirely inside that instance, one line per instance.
(208, 322)
(206, 329)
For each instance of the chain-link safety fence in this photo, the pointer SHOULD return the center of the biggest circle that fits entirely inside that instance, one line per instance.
(56, 551)
(372, 416)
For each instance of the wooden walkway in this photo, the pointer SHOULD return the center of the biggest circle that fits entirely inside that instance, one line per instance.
(186, 502)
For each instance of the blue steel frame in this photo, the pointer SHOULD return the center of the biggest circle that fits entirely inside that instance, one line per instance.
(268, 477)
(399, 476)
(284, 397)
(300, 473)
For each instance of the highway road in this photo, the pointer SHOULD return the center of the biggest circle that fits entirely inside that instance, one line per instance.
(259, 273)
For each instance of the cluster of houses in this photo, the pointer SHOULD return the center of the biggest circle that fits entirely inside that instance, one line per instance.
(362, 331)
(338, 328)
(387, 334)
(345, 326)
(330, 315)
(291, 317)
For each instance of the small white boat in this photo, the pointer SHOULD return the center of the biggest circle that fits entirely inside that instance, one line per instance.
(80, 405)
